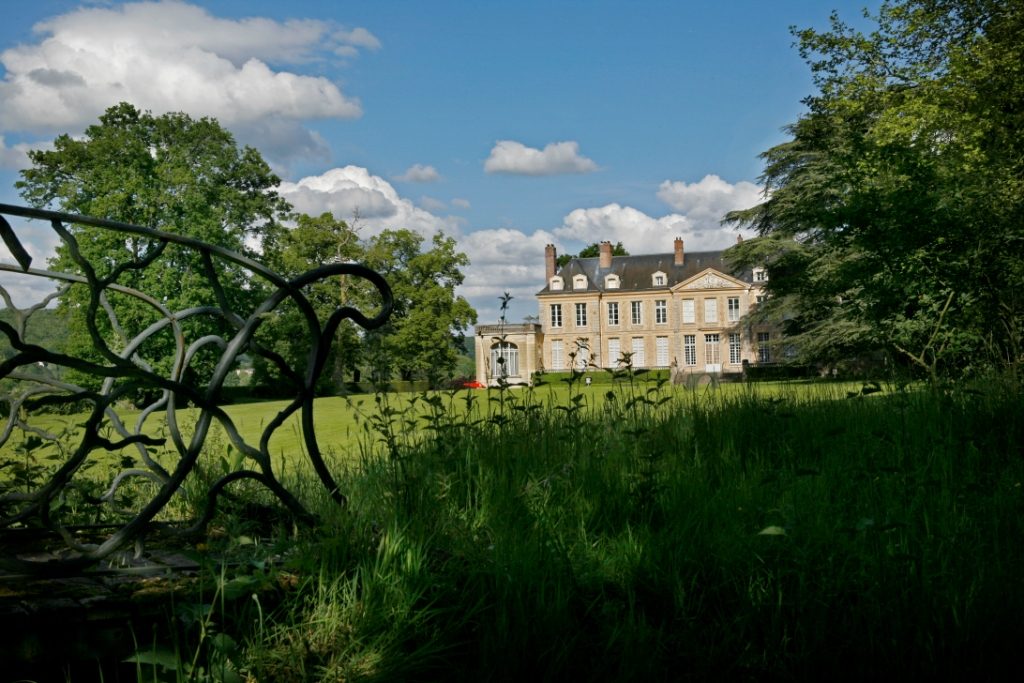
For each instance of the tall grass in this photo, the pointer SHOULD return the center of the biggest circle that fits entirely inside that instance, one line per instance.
(646, 538)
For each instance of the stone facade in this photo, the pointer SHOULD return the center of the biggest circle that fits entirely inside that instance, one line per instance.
(675, 310)
(518, 347)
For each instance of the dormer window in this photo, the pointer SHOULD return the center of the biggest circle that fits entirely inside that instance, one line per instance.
(659, 279)
(611, 282)
(579, 282)
(556, 283)
(760, 275)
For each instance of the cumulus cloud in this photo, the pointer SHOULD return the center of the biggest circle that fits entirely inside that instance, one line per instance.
(173, 56)
(504, 260)
(699, 208)
(431, 204)
(40, 241)
(354, 194)
(706, 201)
(509, 156)
(418, 173)
(15, 157)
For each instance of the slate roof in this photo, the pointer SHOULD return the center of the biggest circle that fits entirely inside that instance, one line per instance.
(635, 271)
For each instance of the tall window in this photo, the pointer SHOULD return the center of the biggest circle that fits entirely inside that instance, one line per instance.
(764, 354)
(734, 348)
(582, 354)
(504, 360)
(613, 312)
(556, 315)
(557, 359)
(636, 312)
(661, 348)
(689, 314)
(614, 352)
(661, 311)
(581, 315)
(712, 352)
(638, 353)
(690, 349)
(711, 310)
(734, 308)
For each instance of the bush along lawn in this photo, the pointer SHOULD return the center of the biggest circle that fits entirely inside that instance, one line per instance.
(738, 536)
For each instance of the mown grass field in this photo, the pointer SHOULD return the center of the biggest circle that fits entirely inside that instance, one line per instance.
(341, 422)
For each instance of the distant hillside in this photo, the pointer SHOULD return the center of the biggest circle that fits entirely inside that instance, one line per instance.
(46, 328)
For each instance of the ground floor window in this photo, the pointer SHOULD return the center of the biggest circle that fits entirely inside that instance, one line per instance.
(734, 348)
(712, 352)
(582, 354)
(638, 353)
(690, 349)
(661, 348)
(504, 360)
(614, 352)
(764, 354)
(557, 359)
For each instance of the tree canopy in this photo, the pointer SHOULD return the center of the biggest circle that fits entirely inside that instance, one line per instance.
(188, 176)
(426, 330)
(172, 172)
(894, 215)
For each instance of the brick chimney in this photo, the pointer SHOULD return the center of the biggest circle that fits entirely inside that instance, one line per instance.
(606, 255)
(680, 258)
(550, 259)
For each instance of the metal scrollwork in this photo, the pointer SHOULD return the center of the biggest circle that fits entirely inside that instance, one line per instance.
(164, 455)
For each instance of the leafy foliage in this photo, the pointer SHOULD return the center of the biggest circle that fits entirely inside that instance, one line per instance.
(893, 216)
(428, 325)
(171, 172)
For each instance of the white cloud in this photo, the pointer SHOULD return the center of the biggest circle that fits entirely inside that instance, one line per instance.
(504, 260)
(354, 194)
(706, 202)
(15, 157)
(431, 204)
(512, 157)
(418, 173)
(644, 234)
(461, 203)
(40, 241)
(172, 56)
(638, 232)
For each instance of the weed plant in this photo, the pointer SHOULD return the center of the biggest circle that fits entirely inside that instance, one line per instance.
(662, 536)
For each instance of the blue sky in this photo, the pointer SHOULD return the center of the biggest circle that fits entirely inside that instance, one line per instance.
(505, 125)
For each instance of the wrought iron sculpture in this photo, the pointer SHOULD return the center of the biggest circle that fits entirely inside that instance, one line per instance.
(163, 463)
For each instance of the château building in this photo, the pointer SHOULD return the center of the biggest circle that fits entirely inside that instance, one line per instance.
(678, 310)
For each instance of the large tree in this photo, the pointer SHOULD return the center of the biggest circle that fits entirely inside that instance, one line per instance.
(170, 172)
(894, 216)
(314, 241)
(427, 328)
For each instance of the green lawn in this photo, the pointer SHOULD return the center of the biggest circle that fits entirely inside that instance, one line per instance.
(341, 423)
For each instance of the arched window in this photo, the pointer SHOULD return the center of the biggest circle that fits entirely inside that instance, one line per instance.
(504, 360)
(611, 282)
